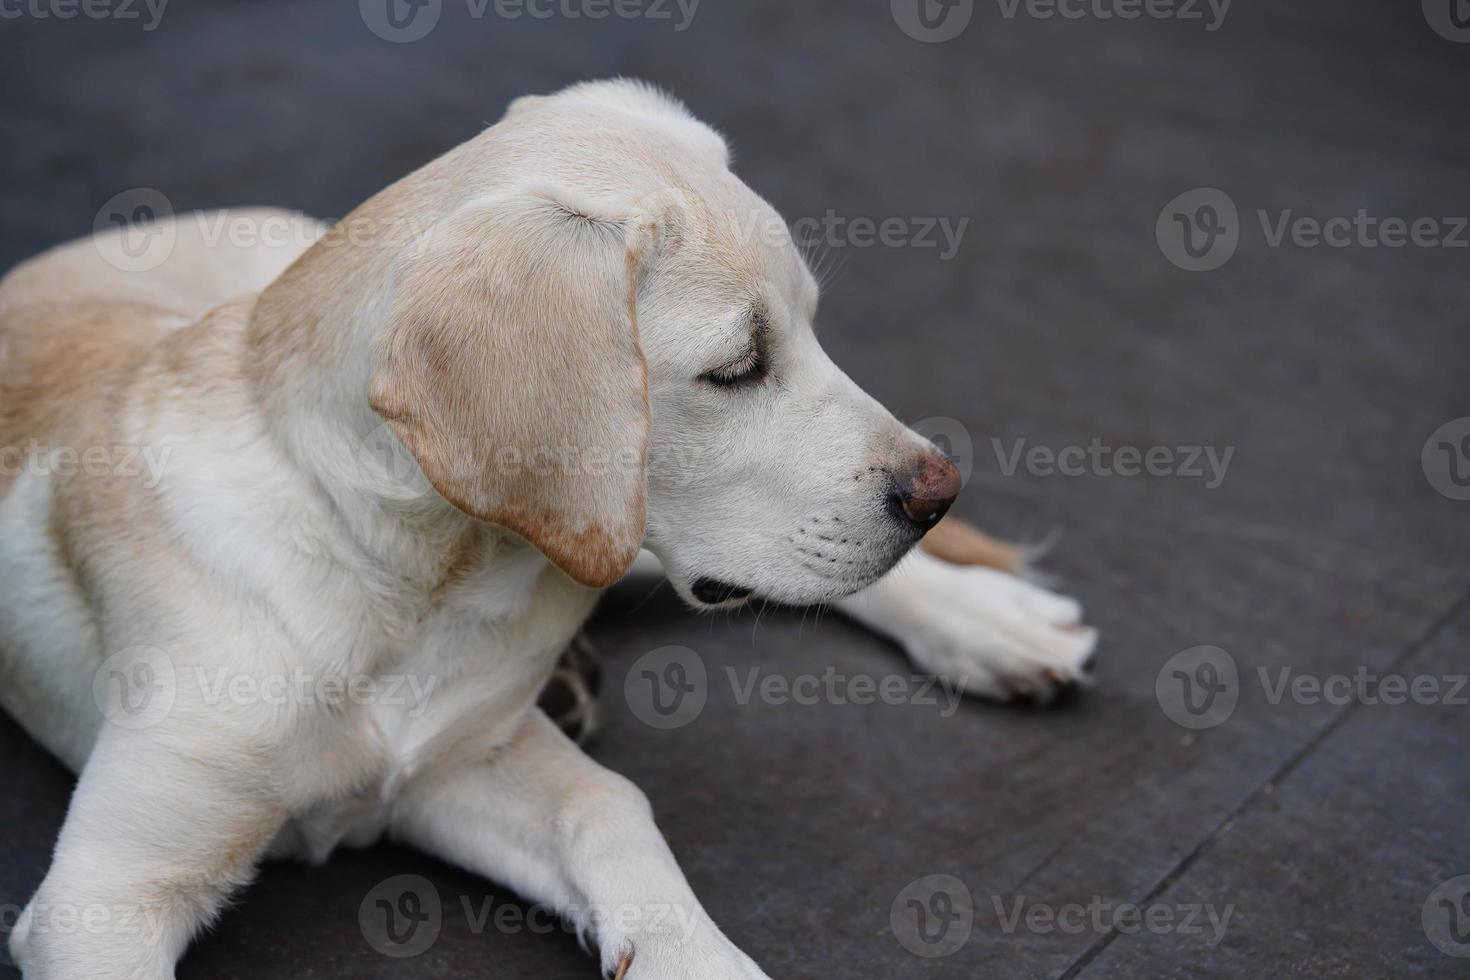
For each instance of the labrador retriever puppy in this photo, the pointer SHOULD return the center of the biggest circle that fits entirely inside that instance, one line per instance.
(249, 488)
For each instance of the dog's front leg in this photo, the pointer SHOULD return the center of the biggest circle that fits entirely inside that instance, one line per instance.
(987, 631)
(160, 831)
(544, 819)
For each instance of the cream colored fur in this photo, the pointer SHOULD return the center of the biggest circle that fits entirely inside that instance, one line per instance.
(413, 447)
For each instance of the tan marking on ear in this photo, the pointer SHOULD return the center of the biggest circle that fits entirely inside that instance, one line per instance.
(960, 543)
(511, 368)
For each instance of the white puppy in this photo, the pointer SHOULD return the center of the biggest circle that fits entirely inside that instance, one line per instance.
(243, 501)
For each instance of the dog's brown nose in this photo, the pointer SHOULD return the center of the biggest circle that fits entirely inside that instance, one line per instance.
(924, 496)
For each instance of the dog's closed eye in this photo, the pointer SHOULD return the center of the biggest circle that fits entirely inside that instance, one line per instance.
(749, 369)
(751, 366)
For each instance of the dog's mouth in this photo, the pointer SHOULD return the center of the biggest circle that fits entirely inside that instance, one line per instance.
(712, 592)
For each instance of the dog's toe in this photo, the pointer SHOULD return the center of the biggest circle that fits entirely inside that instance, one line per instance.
(1004, 638)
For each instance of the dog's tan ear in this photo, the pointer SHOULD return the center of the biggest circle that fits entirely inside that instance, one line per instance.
(510, 366)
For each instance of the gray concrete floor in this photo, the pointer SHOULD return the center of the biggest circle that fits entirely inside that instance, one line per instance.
(1323, 828)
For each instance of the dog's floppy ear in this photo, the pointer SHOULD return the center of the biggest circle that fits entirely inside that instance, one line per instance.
(510, 367)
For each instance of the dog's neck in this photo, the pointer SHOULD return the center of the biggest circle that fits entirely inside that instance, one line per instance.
(309, 361)
(309, 342)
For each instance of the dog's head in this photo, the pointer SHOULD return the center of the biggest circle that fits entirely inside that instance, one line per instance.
(606, 342)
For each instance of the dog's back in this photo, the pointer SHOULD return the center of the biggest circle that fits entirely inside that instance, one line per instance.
(79, 316)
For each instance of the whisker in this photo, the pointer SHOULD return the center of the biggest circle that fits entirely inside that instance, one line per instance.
(656, 586)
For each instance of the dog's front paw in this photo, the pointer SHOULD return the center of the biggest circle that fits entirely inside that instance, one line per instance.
(709, 956)
(998, 636)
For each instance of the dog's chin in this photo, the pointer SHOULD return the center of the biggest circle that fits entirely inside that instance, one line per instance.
(732, 589)
(707, 592)
(713, 593)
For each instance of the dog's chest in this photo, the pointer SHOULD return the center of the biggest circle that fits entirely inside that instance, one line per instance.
(444, 692)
